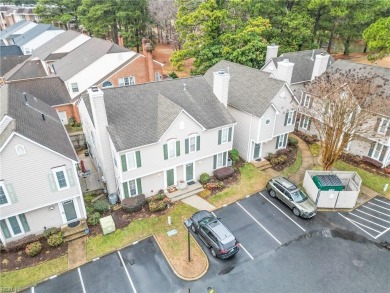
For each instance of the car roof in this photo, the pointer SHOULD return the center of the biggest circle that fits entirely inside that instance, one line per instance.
(286, 183)
(223, 233)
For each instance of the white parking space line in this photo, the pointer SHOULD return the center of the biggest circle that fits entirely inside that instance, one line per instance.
(127, 272)
(375, 210)
(242, 246)
(282, 212)
(81, 280)
(382, 201)
(367, 220)
(380, 234)
(259, 224)
(214, 214)
(357, 210)
(352, 222)
(379, 206)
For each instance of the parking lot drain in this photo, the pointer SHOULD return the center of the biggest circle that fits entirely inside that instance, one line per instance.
(172, 232)
(226, 271)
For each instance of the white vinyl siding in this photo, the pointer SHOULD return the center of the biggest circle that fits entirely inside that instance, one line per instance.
(130, 80)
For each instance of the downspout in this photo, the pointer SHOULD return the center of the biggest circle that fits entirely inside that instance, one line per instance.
(249, 139)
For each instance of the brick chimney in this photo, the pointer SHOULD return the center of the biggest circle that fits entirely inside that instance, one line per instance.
(272, 52)
(120, 40)
(221, 86)
(320, 65)
(285, 70)
(147, 49)
(99, 114)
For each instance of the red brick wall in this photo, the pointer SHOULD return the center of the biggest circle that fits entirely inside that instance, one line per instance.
(71, 110)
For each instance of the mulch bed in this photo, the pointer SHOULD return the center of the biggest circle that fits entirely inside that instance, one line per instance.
(357, 162)
(291, 158)
(19, 259)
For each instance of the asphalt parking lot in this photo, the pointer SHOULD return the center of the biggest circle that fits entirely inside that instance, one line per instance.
(140, 267)
(371, 218)
(279, 253)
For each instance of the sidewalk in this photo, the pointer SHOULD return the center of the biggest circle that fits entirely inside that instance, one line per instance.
(197, 202)
(308, 161)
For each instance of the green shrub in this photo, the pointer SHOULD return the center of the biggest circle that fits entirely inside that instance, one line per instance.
(71, 121)
(160, 196)
(94, 219)
(315, 149)
(33, 249)
(55, 240)
(292, 141)
(101, 206)
(89, 210)
(205, 193)
(278, 160)
(88, 197)
(50, 231)
(214, 185)
(173, 75)
(234, 155)
(204, 178)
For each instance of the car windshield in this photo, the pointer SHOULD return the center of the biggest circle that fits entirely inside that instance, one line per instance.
(204, 221)
(298, 196)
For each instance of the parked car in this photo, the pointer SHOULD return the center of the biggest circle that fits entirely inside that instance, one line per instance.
(214, 234)
(292, 196)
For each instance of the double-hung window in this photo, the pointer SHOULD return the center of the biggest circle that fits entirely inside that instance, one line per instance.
(377, 151)
(305, 122)
(132, 188)
(225, 135)
(290, 117)
(14, 226)
(171, 149)
(60, 178)
(306, 101)
(192, 143)
(131, 160)
(281, 141)
(4, 198)
(383, 126)
(74, 87)
(220, 162)
(130, 80)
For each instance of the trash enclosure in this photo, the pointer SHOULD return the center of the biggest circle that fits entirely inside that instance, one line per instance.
(332, 189)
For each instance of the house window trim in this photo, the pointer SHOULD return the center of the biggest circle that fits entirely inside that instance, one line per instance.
(385, 124)
(225, 131)
(63, 169)
(305, 123)
(306, 101)
(379, 151)
(11, 231)
(195, 138)
(129, 189)
(6, 195)
(290, 116)
(130, 155)
(130, 81)
(169, 145)
(74, 89)
(20, 150)
(281, 144)
(223, 163)
(107, 86)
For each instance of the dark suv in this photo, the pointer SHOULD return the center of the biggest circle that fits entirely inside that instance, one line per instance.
(214, 234)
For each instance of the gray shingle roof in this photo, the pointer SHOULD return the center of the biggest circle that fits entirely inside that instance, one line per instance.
(4, 34)
(50, 90)
(138, 115)
(29, 122)
(303, 63)
(250, 90)
(27, 69)
(367, 70)
(12, 50)
(85, 55)
(33, 33)
(55, 43)
(9, 62)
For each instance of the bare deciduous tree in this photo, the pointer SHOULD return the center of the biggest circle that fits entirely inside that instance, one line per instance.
(163, 13)
(343, 106)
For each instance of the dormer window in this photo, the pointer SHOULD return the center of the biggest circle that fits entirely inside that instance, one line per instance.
(20, 151)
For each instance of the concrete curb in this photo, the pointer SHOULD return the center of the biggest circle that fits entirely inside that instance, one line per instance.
(173, 269)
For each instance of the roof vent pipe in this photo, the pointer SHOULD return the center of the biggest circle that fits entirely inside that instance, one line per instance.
(25, 98)
(54, 70)
(94, 88)
(43, 117)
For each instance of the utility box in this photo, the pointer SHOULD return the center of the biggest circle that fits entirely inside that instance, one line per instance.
(107, 224)
(328, 182)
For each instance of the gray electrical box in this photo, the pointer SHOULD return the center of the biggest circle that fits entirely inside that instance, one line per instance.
(107, 224)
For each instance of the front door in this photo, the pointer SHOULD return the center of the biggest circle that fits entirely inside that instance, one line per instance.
(69, 210)
(189, 171)
(170, 177)
(256, 151)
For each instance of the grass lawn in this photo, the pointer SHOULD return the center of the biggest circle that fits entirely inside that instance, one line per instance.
(370, 180)
(252, 180)
(294, 167)
(29, 276)
(175, 247)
